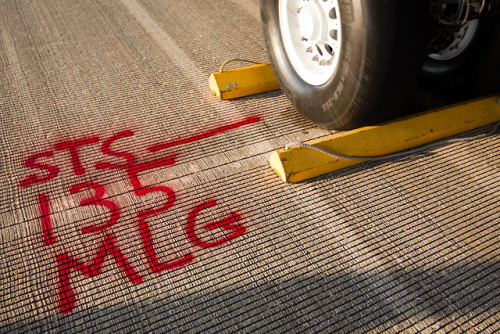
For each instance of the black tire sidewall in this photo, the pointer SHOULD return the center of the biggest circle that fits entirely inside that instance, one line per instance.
(340, 84)
(300, 92)
(370, 66)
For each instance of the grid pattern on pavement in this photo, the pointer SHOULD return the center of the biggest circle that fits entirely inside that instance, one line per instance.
(99, 233)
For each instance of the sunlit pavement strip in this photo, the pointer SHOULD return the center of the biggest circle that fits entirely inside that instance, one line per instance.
(133, 200)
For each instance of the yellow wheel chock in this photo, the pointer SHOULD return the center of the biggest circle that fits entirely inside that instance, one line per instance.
(238, 82)
(297, 163)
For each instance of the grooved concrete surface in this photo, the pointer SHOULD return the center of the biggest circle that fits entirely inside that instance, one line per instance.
(201, 236)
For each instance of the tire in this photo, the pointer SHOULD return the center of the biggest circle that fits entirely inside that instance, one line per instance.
(377, 57)
(473, 69)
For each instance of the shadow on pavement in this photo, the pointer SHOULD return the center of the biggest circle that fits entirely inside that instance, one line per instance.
(345, 302)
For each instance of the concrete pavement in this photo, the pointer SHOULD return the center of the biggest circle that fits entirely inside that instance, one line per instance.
(100, 232)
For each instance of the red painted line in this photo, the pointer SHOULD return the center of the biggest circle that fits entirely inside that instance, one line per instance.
(226, 223)
(48, 233)
(210, 133)
(31, 163)
(67, 264)
(72, 146)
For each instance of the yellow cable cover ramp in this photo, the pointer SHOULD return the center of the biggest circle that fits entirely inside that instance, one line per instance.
(300, 163)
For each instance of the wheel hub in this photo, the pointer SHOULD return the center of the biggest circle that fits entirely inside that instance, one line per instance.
(311, 32)
(460, 42)
(312, 23)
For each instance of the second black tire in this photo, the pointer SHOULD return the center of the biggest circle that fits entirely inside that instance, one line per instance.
(473, 72)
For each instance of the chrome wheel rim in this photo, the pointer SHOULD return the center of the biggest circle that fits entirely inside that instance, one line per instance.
(463, 39)
(311, 32)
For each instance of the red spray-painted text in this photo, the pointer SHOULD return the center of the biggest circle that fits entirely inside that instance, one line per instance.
(110, 246)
